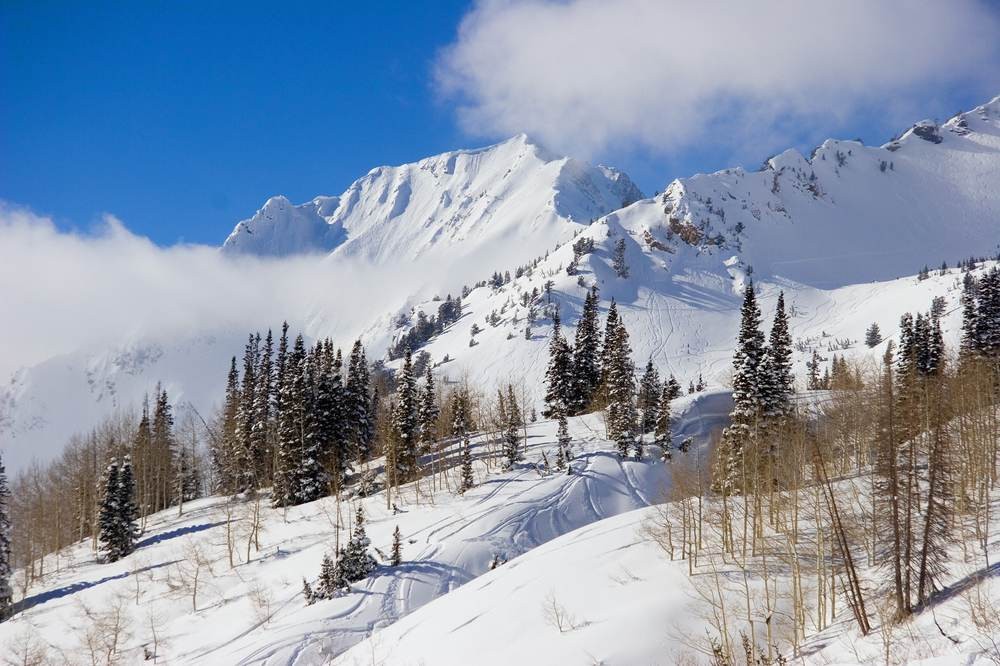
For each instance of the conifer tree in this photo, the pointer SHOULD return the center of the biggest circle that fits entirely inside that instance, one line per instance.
(330, 579)
(307, 592)
(586, 354)
(311, 477)
(873, 336)
(776, 378)
(512, 439)
(246, 418)
(619, 372)
(663, 424)
(108, 516)
(163, 447)
(128, 513)
(611, 324)
(564, 441)
(260, 432)
(357, 404)
(559, 377)
(468, 480)
(6, 565)
(649, 398)
(356, 562)
(405, 420)
(988, 315)
(459, 413)
(429, 411)
(748, 394)
(618, 259)
(287, 442)
(225, 449)
(396, 557)
(673, 387)
(969, 315)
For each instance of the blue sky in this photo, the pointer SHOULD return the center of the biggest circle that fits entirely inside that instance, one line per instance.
(181, 118)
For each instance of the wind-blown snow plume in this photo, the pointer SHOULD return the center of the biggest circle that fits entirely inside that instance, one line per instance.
(586, 74)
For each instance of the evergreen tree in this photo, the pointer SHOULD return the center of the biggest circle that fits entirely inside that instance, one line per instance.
(618, 259)
(586, 354)
(356, 563)
(357, 404)
(396, 558)
(330, 579)
(988, 315)
(559, 377)
(611, 324)
(260, 431)
(311, 476)
(459, 413)
(326, 414)
(970, 329)
(288, 441)
(107, 519)
(564, 441)
(163, 447)
(619, 374)
(649, 398)
(307, 593)
(405, 420)
(246, 417)
(6, 564)
(776, 379)
(673, 387)
(812, 367)
(873, 336)
(429, 411)
(128, 513)
(468, 480)
(512, 440)
(222, 452)
(748, 397)
(662, 431)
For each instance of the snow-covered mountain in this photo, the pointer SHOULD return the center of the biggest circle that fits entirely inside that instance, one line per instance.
(847, 215)
(486, 202)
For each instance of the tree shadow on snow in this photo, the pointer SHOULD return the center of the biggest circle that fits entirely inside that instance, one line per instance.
(173, 534)
(41, 598)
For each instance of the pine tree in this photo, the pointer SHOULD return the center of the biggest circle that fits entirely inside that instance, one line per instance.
(260, 432)
(396, 558)
(128, 513)
(512, 439)
(245, 417)
(748, 393)
(776, 379)
(459, 413)
(356, 562)
(562, 437)
(611, 324)
(330, 579)
(586, 354)
(311, 479)
(618, 259)
(812, 367)
(6, 564)
(307, 593)
(619, 373)
(873, 336)
(649, 398)
(163, 447)
(405, 420)
(988, 315)
(663, 424)
(288, 442)
(357, 404)
(108, 517)
(468, 480)
(673, 387)
(429, 411)
(970, 329)
(326, 415)
(559, 377)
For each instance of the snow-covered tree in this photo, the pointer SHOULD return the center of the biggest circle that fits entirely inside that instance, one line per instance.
(396, 556)
(468, 480)
(649, 397)
(749, 386)
(356, 563)
(405, 419)
(619, 373)
(776, 379)
(511, 437)
(428, 412)
(586, 354)
(559, 376)
(6, 565)
(663, 424)
(357, 404)
(116, 520)
(873, 336)
(618, 259)
(563, 439)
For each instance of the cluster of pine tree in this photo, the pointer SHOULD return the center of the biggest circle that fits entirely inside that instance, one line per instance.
(352, 563)
(597, 371)
(118, 514)
(296, 420)
(981, 315)
(425, 328)
(762, 391)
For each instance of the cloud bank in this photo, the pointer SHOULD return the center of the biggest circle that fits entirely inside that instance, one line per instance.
(65, 291)
(586, 75)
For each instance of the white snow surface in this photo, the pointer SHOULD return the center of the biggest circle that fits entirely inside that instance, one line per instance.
(449, 540)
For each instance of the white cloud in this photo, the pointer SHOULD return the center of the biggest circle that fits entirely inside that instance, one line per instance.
(585, 75)
(65, 291)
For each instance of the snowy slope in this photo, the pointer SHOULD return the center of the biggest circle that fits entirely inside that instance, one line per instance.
(623, 601)
(449, 540)
(482, 203)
